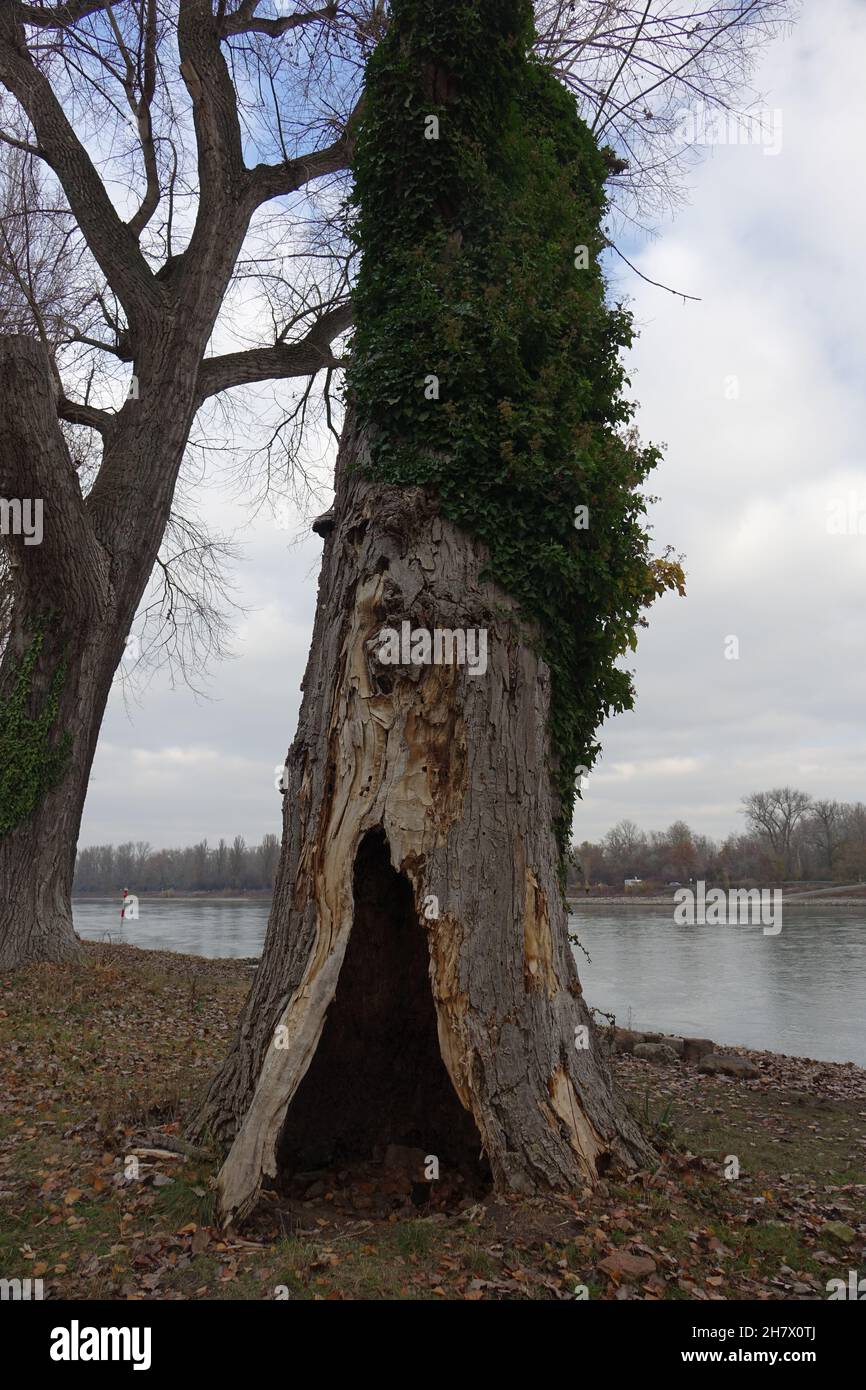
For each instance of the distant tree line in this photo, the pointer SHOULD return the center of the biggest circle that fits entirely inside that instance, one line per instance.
(195, 869)
(787, 835)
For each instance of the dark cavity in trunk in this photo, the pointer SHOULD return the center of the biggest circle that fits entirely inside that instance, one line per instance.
(377, 1077)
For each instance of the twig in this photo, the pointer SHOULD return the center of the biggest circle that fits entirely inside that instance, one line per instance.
(658, 284)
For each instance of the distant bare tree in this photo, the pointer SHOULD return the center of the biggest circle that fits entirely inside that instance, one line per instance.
(851, 860)
(680, 850)
(268, 854)
(825, 829)
(775, 815)
(625, 849)
(237, 858)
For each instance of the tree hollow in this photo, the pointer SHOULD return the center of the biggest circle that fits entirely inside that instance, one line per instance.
(377, 1077)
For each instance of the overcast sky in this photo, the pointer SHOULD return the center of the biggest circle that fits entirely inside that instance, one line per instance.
(758, 394)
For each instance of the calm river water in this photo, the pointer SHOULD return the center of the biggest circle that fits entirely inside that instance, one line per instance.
(802, 992)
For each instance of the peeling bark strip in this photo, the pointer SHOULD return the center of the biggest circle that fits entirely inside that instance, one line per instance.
(453, 770)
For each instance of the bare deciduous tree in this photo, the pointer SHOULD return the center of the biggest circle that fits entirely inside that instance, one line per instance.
(775, 815)
(100, 91)
(825, 828)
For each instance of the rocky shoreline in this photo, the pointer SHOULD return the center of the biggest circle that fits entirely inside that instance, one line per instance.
(707, 1058)
(667, 1047)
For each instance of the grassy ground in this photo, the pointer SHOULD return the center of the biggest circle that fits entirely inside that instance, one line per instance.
(102, 1060)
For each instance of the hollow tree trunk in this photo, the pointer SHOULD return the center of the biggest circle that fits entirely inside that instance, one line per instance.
(444, 774)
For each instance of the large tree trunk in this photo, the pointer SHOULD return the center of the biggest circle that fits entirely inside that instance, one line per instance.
(418, 804)
(60, 588)
(37, 857)
(74, 596)
(78, 590)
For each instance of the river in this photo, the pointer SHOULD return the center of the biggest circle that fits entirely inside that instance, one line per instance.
(802, 992)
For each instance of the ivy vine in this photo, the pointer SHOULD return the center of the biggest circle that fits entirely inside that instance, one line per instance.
(30, 763)
(487, 360)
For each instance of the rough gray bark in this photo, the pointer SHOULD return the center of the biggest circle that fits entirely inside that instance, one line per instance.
(37, 858)
(81, 589)
(66, 577)
(450, 771)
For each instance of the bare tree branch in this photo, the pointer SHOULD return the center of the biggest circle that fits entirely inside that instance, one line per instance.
(303, 358)
(245, 21)
(658, 284)
(215, 115)
(141, 110)
(69, 562)
(79, 413)
(61, 16)
(277, 180)
(112, 243)
(24, 145)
